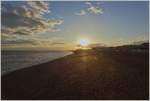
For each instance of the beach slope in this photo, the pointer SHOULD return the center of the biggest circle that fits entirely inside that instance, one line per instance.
(84, 75)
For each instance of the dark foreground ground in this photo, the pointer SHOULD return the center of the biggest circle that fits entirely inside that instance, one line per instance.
(85, 75)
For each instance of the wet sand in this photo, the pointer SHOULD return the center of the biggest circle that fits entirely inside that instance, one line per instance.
(86, 75)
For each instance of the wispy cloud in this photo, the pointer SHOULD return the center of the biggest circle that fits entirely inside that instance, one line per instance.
(19, 42)
(90, 9)
(21, 20)
(81, 12)
(57, 43)
(25, 18)
(8, 40)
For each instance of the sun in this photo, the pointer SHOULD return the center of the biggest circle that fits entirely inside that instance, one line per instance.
(84, 42)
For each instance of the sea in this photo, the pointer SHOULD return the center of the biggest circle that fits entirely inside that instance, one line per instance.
(15, 60)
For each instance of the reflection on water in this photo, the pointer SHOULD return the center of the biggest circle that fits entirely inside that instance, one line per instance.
(12, 60)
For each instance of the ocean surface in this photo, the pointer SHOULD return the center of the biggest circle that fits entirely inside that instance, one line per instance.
(14, 60)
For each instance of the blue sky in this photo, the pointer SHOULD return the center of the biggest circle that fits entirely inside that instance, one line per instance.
(107, 22)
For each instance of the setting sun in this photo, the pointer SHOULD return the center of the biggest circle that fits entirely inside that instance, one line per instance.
(84, 42)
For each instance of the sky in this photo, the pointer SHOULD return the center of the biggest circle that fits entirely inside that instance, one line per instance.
(60, 25)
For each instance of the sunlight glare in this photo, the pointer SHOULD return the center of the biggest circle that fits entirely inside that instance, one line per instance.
(84, 42)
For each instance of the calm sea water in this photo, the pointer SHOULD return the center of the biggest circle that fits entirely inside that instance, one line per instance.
(14, 60)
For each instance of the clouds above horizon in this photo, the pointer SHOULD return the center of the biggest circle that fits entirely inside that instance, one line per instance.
(90, 9)
(27, 17)
(32, 41)
(22, 20)
(40, 24)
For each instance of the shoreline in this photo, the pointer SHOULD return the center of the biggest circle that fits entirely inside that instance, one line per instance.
(7, 72)
(82, 76)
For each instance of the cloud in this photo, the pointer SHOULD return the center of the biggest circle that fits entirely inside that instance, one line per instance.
(91, 9)
(95, 10)
(82, 12)
(54, 41)
(21, 20)
(6, 36)
(57, 43)
(27, 17)
(19, 42)
(8, 40)
(88, 3)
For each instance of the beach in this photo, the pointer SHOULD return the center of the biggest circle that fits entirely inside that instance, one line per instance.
(87, 75)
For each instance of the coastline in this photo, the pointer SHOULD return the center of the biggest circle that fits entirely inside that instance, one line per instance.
(87, 75)
(33, 63)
